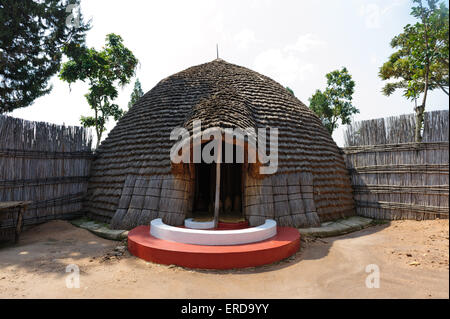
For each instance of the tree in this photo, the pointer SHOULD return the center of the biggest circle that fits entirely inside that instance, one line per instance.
(136, 94)
(115, 64)
(33, 34)
(290, 90)
(421, 63)
(334, 103)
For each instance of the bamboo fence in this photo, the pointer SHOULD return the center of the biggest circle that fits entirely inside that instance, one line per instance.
(44, 163)
(392, 176)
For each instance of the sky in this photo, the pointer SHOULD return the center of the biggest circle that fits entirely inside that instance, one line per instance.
(294, 42)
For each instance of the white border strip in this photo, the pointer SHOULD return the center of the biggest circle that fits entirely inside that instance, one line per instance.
(190, 223)
(213, 237)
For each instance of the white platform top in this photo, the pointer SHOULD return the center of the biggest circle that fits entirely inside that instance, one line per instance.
(213, 237)
(190, 223)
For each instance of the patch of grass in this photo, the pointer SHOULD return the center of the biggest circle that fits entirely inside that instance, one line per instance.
(78, 221)
(104, 225)
(376, 222)
(82, 220)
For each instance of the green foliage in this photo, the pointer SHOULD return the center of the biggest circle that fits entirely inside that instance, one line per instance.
(290, 90)
(33, 34)
(136, 94)
(424, 44)
(103, 70)
(421, 62)
(334, 103)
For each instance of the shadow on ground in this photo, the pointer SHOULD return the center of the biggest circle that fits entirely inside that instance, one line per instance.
(50, 247)
(305, 245)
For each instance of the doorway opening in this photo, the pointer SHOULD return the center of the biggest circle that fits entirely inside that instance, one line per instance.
(231, 190)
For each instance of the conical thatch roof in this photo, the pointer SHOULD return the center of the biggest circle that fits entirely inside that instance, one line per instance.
(132, 178)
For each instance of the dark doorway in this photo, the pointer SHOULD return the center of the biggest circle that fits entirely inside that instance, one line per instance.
(205, 181)
(230, 190)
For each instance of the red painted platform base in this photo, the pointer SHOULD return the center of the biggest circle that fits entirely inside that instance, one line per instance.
(141, 244)
(230, 226)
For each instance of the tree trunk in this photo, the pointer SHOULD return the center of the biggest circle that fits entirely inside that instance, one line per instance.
(333, 124)
(419, 123)
(99, 137)
(96, 129)
(421, 109)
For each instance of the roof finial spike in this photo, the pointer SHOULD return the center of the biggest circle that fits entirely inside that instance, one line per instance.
(217, 50)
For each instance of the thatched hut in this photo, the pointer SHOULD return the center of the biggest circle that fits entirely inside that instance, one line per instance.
(133, 179)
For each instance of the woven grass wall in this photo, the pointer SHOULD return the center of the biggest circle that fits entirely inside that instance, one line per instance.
(392, 176)
(145, 198)
(287, 198)
(44, 163)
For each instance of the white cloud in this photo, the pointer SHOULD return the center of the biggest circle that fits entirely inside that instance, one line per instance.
(245, 38)
(305, 42)
(374, 14)
(259, 3)
(287, 65)
(279, 66)
(218, 23)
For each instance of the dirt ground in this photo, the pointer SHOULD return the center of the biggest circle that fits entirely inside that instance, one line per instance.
(413, 259)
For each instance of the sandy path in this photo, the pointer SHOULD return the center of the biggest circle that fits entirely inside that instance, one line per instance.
(412, 257)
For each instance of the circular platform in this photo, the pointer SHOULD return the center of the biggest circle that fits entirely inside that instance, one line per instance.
(143, 245)
(213, 237)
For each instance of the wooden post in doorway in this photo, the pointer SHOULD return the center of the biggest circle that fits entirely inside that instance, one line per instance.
(217, 199)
